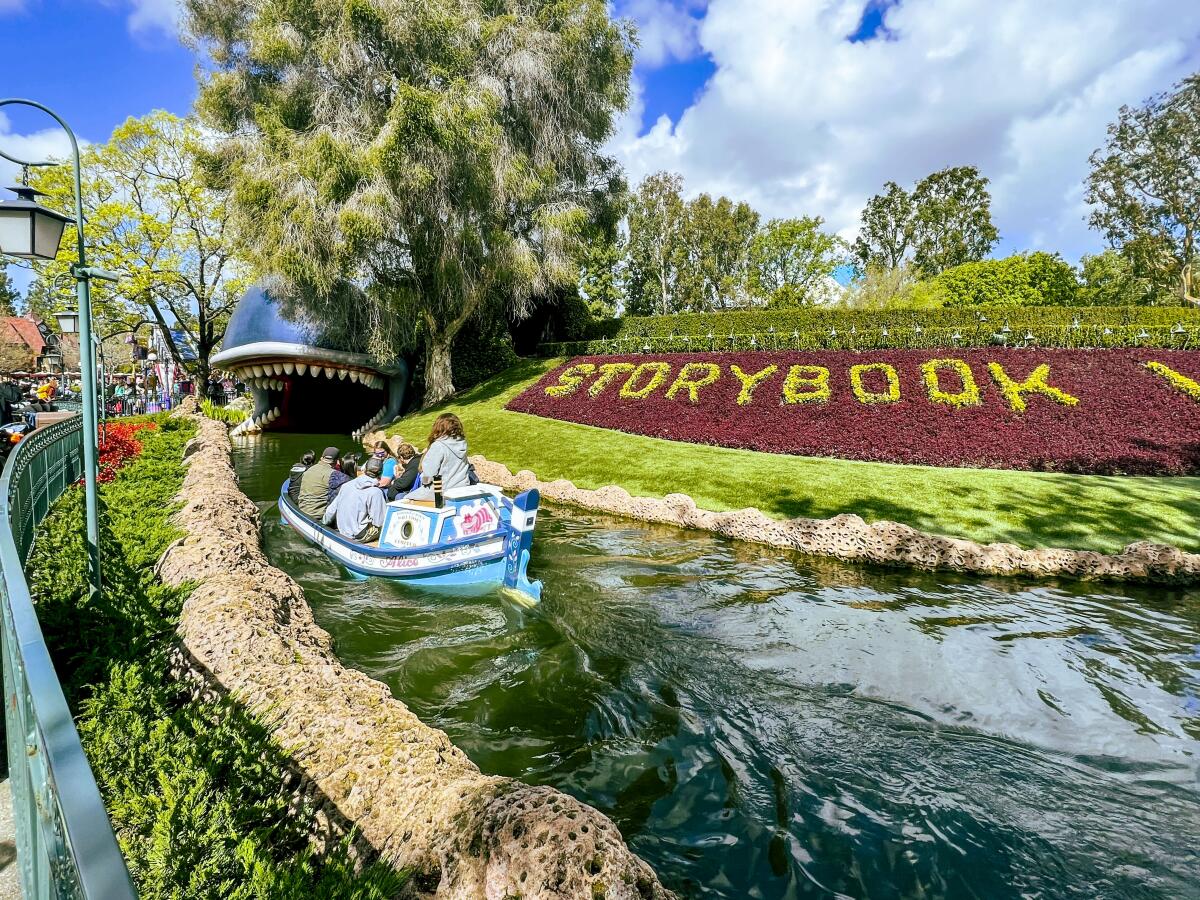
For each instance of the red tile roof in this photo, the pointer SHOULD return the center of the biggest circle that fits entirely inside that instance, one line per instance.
(20, 330)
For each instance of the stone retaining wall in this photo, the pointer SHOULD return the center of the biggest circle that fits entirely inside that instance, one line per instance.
(414, 797)
(850, 538)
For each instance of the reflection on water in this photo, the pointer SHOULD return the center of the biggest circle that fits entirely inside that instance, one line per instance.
(764, 725)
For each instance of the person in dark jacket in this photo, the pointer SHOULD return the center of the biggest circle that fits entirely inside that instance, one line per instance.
(346, 470)
(314, 485)
(408, 468)
(296, 473)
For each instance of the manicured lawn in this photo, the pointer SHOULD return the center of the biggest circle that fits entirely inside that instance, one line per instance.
(1026, 508)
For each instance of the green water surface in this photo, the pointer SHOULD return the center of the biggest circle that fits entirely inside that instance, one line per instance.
(763, 725)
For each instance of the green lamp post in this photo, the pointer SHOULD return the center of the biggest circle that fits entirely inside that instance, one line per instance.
(30, 231)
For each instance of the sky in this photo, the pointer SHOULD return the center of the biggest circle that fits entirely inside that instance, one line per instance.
(800, 107)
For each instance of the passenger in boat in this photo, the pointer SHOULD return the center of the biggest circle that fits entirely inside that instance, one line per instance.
(383, 453)
(445, 457)
(297, 472)
(359, 506)
(345, 470)
(314, 485)
(407, 471)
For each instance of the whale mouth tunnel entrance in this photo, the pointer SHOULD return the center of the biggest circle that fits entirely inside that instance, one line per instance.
(313, 396)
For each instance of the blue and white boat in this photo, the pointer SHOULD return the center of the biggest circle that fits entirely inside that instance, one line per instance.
(476, 539)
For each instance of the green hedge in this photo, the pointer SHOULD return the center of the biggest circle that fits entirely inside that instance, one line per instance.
(843, 329)
(196, 790)
(223, 413)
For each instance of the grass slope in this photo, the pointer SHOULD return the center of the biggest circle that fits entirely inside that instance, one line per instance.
(1033, 509)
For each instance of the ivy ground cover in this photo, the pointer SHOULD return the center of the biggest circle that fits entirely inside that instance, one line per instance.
(1123, 411)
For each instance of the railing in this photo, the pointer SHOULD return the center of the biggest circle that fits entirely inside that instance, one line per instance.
(65, 844)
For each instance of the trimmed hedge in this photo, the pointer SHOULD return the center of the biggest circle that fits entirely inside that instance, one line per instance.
(849, 329)
(197, 791)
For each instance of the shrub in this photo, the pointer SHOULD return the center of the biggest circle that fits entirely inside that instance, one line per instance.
(863, 329)
(228, 415)
(194, 789)
(1033, 279)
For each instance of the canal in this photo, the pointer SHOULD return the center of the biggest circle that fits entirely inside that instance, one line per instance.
(760, 724)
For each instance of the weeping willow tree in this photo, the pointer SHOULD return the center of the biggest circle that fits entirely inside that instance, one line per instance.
(441, 156)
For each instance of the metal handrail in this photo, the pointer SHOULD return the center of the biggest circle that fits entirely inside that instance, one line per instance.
(65, 843)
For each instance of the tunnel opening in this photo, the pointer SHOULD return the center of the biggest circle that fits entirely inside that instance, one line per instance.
(321, 404)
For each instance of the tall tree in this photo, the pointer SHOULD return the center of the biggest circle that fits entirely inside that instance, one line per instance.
(152, 222)
(656, 216)
(10, 300)
(444, 156)
(600, 283)
(715, 248)
(952, 220)
(887, 230)
(1145, 189)
(791, 261)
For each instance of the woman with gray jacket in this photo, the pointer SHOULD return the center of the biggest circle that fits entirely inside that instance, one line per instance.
(445, 457)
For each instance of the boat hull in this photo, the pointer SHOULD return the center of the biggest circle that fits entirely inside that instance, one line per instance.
(478, 562)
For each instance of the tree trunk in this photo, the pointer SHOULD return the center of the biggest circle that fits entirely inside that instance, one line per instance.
(439, 378)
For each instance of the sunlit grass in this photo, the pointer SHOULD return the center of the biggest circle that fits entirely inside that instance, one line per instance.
(1028, 508)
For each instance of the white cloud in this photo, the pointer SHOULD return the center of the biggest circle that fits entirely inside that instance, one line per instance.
(667, 29)
(797, 120)
(149, 18)
(11, 6)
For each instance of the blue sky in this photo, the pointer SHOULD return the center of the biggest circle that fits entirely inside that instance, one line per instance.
(800, 107)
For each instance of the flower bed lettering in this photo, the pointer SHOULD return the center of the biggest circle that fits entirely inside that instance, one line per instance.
(1124, 411)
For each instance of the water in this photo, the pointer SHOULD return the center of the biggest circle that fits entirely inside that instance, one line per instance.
(764, 725)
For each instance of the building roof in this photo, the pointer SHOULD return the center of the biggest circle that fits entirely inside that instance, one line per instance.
(21, 330)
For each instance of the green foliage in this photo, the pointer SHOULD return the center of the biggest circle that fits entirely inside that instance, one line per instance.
(152, 222)
(195, 789)
(815, 328)
(1032, 279)
(655, 249)
(10, 300)
(716, 247)
(952, 219)
(482, 350)
(946, 221)
(885, 233)
(1108, 280)
(1144, 188)
(223, 413)
(443, 154)
(791, 261)
(600, 284)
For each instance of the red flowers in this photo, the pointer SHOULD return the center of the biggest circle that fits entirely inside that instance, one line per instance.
(1095, 411)
(118, 445)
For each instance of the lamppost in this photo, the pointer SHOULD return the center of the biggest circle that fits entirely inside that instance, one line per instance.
(30, 231)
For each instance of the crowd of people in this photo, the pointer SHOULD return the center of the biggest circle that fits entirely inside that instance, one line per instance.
(338, 489)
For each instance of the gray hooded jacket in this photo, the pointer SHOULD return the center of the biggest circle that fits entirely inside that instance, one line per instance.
(358, 503)
(446, 457)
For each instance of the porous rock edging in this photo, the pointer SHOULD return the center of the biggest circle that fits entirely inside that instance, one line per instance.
(849, 537)
(415, 798)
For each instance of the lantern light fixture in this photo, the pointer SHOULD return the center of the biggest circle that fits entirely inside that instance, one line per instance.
(29, 230)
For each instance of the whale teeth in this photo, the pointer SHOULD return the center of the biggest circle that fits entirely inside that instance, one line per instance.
(258, 370)
(289, 368)
(328, 372)
(278, 368)
(301, 368)
(353, 376)
(342, 373)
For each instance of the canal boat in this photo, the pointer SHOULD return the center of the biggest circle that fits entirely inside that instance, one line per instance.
(476, 538)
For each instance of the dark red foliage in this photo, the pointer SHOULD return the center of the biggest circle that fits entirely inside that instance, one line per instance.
(119, 444)
(1128, 419)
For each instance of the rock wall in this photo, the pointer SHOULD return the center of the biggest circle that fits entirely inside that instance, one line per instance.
(850, 538)
(414, 797)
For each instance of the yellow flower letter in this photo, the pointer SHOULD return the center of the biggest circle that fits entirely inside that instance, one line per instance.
(891, 395)
(806, 384)
(750, 382)
(660, 369)
(968, 396)
(570, 379)
(1014, 391)
(692, 377)
(609, 372)
(1177, 380)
